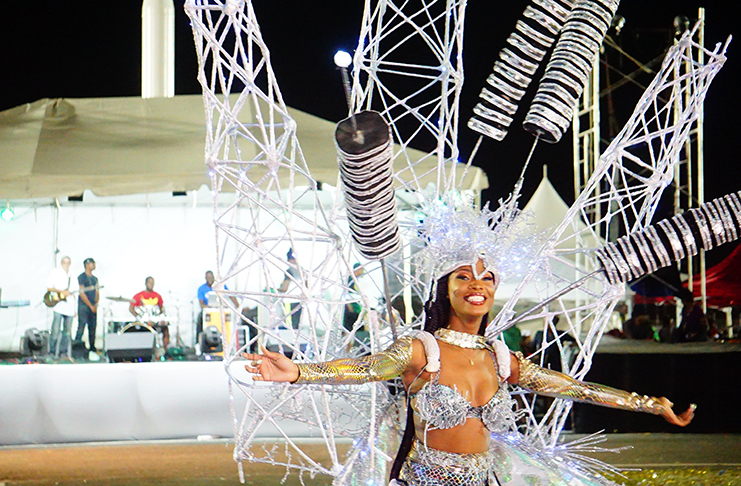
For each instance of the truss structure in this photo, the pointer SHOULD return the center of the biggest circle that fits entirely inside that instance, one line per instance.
(626, 186)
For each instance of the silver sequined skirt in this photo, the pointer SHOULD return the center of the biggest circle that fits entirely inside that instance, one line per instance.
(425, 466)
(504, 464)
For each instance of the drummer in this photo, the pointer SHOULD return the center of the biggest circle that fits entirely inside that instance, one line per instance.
(149, 297)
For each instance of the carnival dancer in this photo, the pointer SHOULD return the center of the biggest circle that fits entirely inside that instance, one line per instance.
(457, 384)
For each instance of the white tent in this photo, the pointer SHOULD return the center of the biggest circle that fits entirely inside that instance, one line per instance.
(126, 156)
(114, 146)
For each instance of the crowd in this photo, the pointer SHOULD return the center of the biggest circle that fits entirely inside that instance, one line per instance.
(661, 322)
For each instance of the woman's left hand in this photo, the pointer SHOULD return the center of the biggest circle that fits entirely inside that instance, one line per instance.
(682, 419)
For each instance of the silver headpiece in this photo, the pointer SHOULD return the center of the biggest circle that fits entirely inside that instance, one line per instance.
(454, 234)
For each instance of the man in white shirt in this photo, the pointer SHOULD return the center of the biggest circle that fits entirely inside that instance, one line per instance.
(61, 282)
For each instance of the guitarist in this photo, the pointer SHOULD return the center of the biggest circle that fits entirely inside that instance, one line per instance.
(63, 284)
(87, 306)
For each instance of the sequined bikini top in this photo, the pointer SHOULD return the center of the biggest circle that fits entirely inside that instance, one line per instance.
(438, 406)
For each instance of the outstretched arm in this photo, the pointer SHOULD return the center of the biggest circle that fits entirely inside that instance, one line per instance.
(554, 384)
(385, 365)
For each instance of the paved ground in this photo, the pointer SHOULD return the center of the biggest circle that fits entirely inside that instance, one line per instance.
(666, 459)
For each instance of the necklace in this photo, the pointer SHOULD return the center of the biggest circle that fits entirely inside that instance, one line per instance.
(461, 340)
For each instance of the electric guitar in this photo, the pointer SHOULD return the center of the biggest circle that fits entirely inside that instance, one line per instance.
(52, 298)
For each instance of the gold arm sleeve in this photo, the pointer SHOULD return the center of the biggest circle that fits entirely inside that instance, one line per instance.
(385, 365)
(554, 384)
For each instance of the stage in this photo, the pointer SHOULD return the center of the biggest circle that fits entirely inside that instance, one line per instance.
(96, 402)
(706, 374)
(91, 402)
(680, 460)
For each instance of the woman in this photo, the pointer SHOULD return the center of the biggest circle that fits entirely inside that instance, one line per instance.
(457, 385)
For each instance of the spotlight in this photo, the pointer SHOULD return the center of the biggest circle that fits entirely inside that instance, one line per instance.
(342, 59)
(210, 340)
(618, 22)
(681, 24)
(34, 341)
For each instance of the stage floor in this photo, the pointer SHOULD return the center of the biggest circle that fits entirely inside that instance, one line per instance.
(666, 459)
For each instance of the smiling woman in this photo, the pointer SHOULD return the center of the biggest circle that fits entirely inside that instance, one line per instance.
(457, 384)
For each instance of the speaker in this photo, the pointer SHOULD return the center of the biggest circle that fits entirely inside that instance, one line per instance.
(79, 350)
(129, 346)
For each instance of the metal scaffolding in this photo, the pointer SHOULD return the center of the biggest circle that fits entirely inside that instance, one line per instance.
(688, 175)
(689, 181)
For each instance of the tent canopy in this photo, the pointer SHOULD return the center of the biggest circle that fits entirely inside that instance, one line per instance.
(549, 210)
(116, 146)
(723, 282)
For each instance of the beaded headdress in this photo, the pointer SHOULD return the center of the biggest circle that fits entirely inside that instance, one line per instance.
(454, 233)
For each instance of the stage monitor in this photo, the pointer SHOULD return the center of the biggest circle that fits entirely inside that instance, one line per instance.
(130, 346)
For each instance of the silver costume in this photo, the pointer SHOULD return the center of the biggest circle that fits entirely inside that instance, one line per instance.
(438, 406)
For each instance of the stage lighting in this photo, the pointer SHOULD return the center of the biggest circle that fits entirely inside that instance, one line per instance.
(34, 342)
(342, 59)
(7, 214)
(210, 340)
(681, 24)
(618, 22)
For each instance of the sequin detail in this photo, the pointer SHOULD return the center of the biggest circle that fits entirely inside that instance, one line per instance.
(425, 466)
(550, 383)
(442, 407)
(385, 365)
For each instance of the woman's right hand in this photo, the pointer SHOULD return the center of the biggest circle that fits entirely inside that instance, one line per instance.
(270, 366)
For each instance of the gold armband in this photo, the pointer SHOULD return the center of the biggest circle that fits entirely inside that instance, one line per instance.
(352, 371)
(554, 384)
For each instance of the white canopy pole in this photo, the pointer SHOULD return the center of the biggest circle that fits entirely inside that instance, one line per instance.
(158, 49)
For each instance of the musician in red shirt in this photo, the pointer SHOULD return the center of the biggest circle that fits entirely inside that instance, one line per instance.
(150, 297)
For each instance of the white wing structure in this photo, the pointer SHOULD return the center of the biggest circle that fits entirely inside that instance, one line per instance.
(267, 204)
(283, 237)
(625, 188)
(408, 66)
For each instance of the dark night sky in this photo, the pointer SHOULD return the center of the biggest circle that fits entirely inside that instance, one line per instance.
(92, 49)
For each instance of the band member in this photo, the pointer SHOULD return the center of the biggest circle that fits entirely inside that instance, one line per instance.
(63, 285)
(150, 297)
(203, 301)
(205, 288)
(87, 306)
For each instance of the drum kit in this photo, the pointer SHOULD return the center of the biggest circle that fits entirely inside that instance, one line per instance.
(149, 318)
